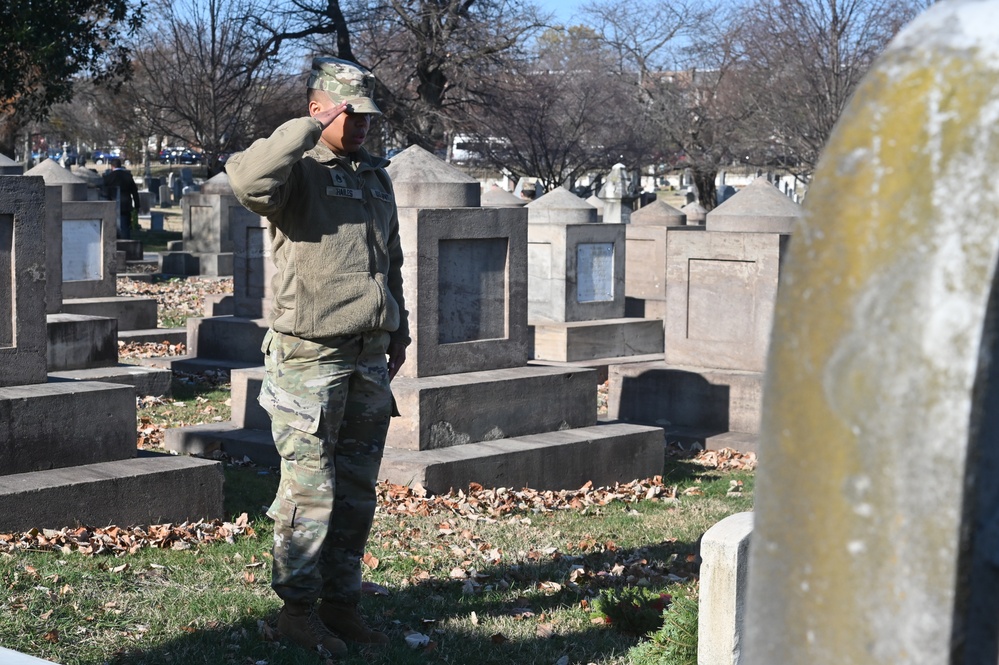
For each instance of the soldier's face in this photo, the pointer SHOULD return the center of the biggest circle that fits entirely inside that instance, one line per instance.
(347, 132)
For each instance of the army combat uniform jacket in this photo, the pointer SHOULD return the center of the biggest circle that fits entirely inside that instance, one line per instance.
(335, 234)
(338, 304)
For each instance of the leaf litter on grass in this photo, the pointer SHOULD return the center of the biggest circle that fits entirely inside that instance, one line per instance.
(177, 299)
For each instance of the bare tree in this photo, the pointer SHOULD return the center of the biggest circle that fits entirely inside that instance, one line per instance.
(564, 114)
(202, 74)
(686, 92)
(438, 60)
(805, 59)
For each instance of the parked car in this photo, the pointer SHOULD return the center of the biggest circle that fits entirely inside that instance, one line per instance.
(180, 155)
(104, 155)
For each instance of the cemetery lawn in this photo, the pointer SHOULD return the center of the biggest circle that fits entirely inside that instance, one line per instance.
(503, 576)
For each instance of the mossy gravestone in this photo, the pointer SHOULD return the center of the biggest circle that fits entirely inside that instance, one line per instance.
(876, 494)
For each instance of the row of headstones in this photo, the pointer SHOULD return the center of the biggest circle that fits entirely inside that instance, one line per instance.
(57, 425)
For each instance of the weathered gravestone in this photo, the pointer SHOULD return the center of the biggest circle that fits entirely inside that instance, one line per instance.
(471, 410)
(721, 285)
(876, 500)
(84, 313)
(67, 448)
(207, 216)
(575, 288)
(647, 238)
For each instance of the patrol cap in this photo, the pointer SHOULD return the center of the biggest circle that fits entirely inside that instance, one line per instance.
(344, 81)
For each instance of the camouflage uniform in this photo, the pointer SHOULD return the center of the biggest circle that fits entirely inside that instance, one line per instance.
(330, 406)
(337, 307)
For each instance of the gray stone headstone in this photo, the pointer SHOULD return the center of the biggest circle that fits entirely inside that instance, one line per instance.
(760, 207)
(560, 206)
(74, 188)
(9, 167)
(658, 213)
(22, 281)
(421, 180)
(497, 197)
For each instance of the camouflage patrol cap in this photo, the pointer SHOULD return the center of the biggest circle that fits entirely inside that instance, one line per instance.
(344, 81)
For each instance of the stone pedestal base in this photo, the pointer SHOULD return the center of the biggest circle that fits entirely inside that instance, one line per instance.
(226, 338)
(145, 380)
(690, 401)
(188, 263)
(456, 409)
(64, 424)
(131, 492)
(588, 340)
(131, 313)
(601, 454)
(77, 341)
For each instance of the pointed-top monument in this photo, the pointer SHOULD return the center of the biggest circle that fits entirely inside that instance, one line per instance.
(758, 207)
(74, 188)
(9, 167)
(560, 206)
(659, 213)
(422, 180)
(218, 184)
(695, 212)
(497, 197)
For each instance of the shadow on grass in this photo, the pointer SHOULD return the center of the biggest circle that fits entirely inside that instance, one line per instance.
(438, 609)
(501, 633)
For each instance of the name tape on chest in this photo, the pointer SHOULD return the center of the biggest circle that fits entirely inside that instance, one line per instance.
(345, 192)
(382, 196)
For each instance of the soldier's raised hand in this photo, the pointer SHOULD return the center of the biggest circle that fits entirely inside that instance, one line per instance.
(327, 115)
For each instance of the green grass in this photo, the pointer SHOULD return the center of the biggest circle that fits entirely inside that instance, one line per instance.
(207, 605)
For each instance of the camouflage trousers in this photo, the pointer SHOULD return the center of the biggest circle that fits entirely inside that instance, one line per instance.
(330, 405)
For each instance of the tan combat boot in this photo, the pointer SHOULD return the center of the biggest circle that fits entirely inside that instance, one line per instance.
(346, 621)
(300, 624)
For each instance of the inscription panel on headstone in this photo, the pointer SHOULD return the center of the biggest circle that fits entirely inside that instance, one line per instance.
(7, 294)
(719, 300)
(471, 276)
(539, 272)
(595, 272)
(81, 250)
(256, 256)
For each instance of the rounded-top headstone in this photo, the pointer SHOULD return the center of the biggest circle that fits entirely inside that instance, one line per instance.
(9, 167)
(422, 180)
(497, 197)
(74, 188)
(658, 213)
(560, 206)
(758, 208)
(695, 212)
(218, 184)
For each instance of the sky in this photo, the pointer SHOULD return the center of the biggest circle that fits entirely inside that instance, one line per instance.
(564, 10)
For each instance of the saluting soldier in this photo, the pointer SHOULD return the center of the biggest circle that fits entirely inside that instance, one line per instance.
(338, 334)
